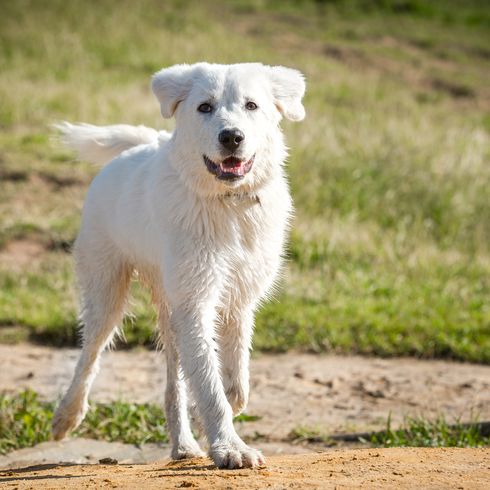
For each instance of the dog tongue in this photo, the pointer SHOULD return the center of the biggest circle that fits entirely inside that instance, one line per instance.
(231, 163)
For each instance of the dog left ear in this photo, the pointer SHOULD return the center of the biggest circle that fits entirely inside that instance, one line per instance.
(288, 88)
(171, 86)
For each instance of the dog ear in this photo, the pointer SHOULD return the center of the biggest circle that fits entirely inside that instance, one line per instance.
(171, 86)
(288, 88)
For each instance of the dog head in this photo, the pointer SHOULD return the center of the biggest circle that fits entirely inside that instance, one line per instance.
(227, 121)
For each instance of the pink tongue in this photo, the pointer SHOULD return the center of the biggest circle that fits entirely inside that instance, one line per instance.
(236, 169)
(231, 163)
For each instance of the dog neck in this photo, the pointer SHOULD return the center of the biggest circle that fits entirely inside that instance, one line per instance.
(240, 197)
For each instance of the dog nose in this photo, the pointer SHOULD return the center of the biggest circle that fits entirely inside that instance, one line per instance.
(231, 138)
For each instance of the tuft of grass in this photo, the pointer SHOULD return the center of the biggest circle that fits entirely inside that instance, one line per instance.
(243, 417)
(310, 435)
(25, 420)
(414, 432)
(43, 300)
(420, 432)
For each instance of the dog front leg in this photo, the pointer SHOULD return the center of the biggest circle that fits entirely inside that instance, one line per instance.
(176, 410)
(193, 328)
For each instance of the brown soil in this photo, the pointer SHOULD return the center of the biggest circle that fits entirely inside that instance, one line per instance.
(329, 394)
(365, 468)
(20, 253)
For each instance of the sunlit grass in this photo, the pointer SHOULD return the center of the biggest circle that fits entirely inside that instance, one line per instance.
(420, 432)
(389, 172)
(413, 432)
(25, 420)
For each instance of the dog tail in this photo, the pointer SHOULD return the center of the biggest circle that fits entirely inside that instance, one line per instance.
(100, 144)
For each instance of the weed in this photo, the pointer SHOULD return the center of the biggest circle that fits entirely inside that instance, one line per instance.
(420, 432)
(415, 431)
(25, 420)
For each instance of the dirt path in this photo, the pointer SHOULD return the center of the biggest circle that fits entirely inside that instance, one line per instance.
(365, 468)
(328, 393)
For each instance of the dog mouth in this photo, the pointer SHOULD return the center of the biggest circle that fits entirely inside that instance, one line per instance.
(231, 168)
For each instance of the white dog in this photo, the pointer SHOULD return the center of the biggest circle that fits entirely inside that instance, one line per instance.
(201, 214)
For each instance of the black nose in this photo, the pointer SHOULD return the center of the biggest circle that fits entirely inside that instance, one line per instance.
(231, 138)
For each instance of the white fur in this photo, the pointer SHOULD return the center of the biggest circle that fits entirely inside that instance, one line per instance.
(101, 144)
(210, 250)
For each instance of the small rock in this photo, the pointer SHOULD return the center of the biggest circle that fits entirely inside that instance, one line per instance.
(108, 461)
(333, 383)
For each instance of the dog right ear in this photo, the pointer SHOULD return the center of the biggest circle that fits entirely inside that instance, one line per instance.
(171, 86)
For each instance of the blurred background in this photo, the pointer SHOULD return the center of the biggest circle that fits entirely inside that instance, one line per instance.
(390, 171)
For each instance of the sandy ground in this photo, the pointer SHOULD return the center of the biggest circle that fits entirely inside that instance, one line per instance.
(328, 393)
(332, 394)
(366, 468)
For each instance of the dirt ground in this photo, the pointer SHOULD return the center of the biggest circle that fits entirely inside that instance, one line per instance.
(365, 468)
(331, 394)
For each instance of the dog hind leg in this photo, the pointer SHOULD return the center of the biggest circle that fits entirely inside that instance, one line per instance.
(104, 280)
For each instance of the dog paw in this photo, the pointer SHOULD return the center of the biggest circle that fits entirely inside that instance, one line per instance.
(187, 451)
(237, 454)
(62, 425)
(65, 420)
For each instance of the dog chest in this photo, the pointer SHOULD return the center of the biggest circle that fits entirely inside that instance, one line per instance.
(255, 251)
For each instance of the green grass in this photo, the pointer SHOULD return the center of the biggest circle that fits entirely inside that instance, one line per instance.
(414, 432)
(303, 434)
(419, 432)
(25, 420)
(390, 171)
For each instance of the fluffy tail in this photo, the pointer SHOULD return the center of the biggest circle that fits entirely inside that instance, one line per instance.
(100, 144)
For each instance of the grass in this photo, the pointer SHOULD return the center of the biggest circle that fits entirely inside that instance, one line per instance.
(25, 420)
(420, 432)
(414, 432)
(390, 252)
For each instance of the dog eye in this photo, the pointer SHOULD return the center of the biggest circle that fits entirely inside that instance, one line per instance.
(205, 108)
(251, 106)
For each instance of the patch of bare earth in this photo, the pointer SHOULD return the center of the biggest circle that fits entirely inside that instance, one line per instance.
(21, 253)
(365, 468)
(326, 392)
